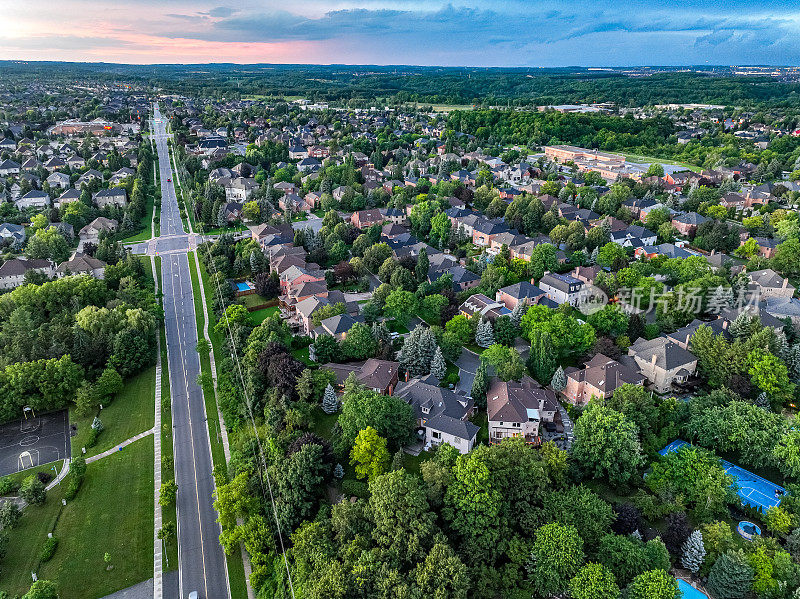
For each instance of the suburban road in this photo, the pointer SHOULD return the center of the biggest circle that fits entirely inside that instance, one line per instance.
(201, 561)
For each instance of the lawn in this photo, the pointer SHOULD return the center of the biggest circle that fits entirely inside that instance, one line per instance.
(168, 514)
(482, 420)
(113, 513)
(21, 476)
(144, 222)
(131, 413)
(254, 300)
(396, 327)
(302, 355)
(639, 158)
(412, 462)
(221, 230)
(257, 317)
(323, 423)
(25, 546)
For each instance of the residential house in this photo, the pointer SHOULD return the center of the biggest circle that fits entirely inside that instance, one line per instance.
(114, 196)
(599, 378)
(81, 264)
(238, 189)
(442, 414)
(769, 284)
(336, 326)
(70, 195)
(91, 232)
(663, 362)
(687, 223)
(563, 289)
(12, 272)
(58, 180)
(380, 376)
(14, 233)
(484, 306)
(364, 219)
(518, 409)
(462, 278)
(33, 199)
(522, 292)
(683, 336)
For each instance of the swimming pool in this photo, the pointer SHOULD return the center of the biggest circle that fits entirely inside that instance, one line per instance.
(689, 592)
(242, 286)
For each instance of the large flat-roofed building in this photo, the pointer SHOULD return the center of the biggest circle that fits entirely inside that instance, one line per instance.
(607, 165)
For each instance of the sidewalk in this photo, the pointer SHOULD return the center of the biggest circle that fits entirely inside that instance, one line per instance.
(119, 447)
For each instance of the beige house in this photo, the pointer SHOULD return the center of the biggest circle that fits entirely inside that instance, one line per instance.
(663, 362)
(599, 378)
(517, 409)
(769, 284)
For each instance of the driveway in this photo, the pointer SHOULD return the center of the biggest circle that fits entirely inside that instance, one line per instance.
(468, 363)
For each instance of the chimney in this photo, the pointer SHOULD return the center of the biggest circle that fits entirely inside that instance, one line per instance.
(785, 284)
(653, 359)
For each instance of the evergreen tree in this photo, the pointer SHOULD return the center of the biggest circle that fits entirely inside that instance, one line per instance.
(418, 351)
(438, 365)
(762, 401)
(517, 313)
(635, 328)
(423, 264)
(480, 385)
(484, 334)
(397, 460)
(593, 257)
(338, 472)
(693, 552)
(541, 361)
(559, 380)
(793, 362)
(741, 325)
(330, 403)
(731, 576)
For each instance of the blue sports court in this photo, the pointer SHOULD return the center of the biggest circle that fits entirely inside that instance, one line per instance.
(754, 491)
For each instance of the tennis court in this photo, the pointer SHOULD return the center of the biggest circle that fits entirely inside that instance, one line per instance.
(754, 491)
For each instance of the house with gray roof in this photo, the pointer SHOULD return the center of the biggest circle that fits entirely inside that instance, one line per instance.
(663, 362)
(12, 272)
(442, 414)
(15, 233)
(517, 409)
(337, 326)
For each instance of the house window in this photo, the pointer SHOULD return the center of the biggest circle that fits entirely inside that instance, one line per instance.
(516, 425)
(436, 435)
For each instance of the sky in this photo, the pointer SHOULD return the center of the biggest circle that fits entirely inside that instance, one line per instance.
(481, 33)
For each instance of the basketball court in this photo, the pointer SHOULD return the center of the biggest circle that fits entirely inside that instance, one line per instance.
(33, 441)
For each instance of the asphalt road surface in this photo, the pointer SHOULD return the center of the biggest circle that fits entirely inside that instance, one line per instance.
(201, 561)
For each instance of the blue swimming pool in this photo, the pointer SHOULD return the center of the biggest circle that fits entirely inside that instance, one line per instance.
(243, 286)
(689, 592)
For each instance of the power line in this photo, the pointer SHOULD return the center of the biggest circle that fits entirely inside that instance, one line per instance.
(263, 474)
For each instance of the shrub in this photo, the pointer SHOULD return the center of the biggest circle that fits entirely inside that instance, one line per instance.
(44, 476)
(93, 435)
(33, 491)
(3, 544)
(355, 488)
(8, 486)
(77, 471)
(49, 549)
